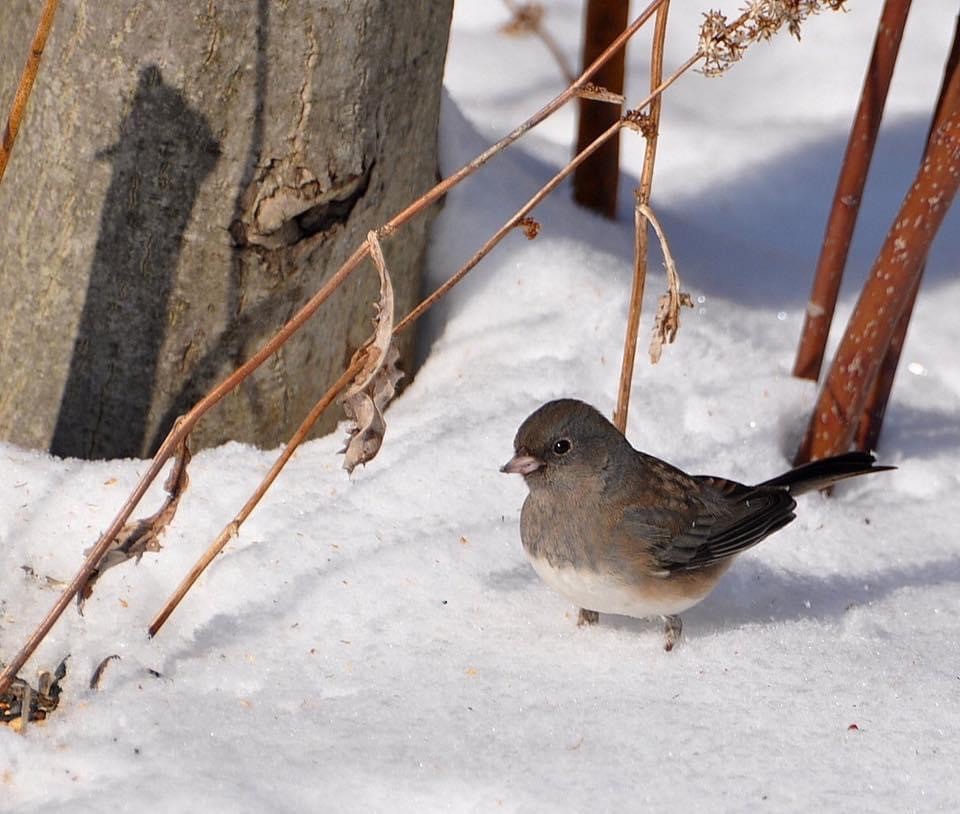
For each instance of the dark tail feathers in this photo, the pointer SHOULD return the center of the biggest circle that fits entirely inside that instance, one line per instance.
(823, 473)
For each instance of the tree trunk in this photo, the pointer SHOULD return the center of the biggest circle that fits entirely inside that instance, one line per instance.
(187, 175)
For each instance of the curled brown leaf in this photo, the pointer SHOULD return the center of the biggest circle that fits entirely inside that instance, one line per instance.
(140, 536)
(98, 673)
(667, 321)
(376, 383)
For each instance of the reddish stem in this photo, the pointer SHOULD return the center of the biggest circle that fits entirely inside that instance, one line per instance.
(849, 192)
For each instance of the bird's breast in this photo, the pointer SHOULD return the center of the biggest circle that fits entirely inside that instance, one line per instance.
(607, 592)
(583, 558)
(562, 532)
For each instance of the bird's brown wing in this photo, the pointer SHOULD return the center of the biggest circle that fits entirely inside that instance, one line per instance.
(706, 521)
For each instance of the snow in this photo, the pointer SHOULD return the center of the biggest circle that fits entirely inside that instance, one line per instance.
(380, 642)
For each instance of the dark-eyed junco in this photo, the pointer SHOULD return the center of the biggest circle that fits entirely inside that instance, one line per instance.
(618, 531)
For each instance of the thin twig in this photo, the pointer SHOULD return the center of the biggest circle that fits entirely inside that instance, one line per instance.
(547, 188)
(25, 86)
(364, 366)
(230, 530)
(641, 236)
(528, 18)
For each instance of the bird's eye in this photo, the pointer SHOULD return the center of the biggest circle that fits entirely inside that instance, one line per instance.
(561, 447)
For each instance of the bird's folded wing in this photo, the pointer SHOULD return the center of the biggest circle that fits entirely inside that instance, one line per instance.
(717, 520)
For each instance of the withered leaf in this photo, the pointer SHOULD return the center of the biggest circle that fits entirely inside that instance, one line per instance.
(376, 384)
(21, 702)
(52, 583)
(140, 536)
(667, 321)
(526, 19)
(98, 673)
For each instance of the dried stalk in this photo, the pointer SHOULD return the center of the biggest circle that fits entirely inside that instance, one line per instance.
(849, 192)
(868, 433)
(528, 19)
(362, 370)
(595, 182)
(547, 188)
(230, 530)
(190, 419)
(888, 290)
(25, 86)
(640, 235)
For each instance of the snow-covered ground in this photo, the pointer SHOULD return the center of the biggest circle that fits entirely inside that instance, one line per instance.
(380, 643)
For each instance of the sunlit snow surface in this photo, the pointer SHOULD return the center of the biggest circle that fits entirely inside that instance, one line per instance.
(380, 643)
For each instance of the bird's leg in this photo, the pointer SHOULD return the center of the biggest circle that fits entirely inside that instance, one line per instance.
(587, 617)
(672, 628)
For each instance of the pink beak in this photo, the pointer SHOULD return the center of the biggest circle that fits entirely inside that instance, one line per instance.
(522, 464)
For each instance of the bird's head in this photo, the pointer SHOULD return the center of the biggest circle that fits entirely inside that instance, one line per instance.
(563, 443)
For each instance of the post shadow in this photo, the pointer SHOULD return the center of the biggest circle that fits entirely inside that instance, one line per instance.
(165, 151)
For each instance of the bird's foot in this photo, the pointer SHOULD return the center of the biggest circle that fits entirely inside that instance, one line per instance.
(587, 617)
(672, 628)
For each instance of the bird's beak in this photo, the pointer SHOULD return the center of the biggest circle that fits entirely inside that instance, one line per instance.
(522, 464)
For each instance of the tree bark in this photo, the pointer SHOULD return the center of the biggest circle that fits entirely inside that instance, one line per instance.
(186, 177)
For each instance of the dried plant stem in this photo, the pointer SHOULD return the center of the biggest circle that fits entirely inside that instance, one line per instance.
(551, 185)
(524, 20)
(868, 433)
(849, 192)
(641, 236)
(571, 92)
(230, 530)
(360, 364)
(888, 290)
(595, 182)
(25, 85)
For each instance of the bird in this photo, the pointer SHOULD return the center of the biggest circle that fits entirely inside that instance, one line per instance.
(615, 530)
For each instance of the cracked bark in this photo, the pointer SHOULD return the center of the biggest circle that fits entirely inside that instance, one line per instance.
(182, 184)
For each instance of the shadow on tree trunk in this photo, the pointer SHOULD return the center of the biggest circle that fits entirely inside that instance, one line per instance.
(166, 150)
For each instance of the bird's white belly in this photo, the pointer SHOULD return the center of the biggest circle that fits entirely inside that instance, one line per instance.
(608, 593)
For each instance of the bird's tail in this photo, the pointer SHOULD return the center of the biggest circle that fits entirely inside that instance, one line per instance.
(826, 471)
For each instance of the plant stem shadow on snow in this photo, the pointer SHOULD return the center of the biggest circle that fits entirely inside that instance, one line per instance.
(917, 432)
(786, 197)
(266, 608)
